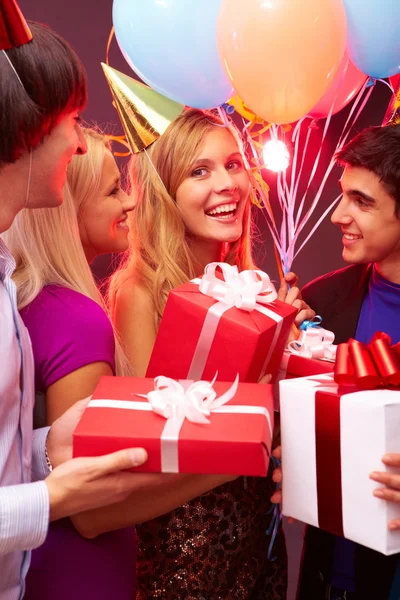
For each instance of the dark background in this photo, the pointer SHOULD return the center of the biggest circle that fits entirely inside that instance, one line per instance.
(86, 25)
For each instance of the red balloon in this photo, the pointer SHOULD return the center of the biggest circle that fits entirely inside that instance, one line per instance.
(347, 82)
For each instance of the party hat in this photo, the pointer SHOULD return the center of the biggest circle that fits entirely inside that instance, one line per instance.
(14, 30)
(392, 115)
(145, 114)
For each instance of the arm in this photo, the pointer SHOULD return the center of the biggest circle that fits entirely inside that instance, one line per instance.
(151, 494)
(24, 516)
(62, 394)
(134, 320)
(154, 494)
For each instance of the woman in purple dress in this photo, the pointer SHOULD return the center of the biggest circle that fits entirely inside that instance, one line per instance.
(74, 344)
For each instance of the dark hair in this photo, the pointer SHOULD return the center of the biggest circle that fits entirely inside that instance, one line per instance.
(378, 150)
(55, 84)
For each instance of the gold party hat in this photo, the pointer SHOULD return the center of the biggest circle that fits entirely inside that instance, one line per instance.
(145, 114)
(392, 115)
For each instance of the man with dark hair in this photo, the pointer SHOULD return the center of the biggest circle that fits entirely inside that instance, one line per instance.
(42, 87)
(356, 302)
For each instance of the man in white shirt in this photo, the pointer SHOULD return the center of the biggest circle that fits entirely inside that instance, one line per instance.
(42, 87)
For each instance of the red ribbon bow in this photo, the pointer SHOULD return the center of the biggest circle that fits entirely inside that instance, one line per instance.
(368, 367)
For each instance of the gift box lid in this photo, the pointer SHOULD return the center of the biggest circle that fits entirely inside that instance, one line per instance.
(189, 294)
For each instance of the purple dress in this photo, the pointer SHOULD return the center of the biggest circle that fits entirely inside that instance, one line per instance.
(68, 331)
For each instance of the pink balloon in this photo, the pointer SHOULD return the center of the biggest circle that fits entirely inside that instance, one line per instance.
(345, 85)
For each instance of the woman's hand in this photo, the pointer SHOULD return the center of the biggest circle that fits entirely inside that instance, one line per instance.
(391, 481)
(293, 296)
(276, 497)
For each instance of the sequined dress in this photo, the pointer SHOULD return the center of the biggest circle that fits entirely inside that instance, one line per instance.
(214, 548)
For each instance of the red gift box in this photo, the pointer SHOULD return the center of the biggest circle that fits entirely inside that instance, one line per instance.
(200, 335)
(237, 440)
(293, 366)
(298, 366)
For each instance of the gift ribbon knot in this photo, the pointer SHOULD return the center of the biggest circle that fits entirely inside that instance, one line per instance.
(248, 290)
(241, 289)
(171, 400)
(314, 342)
(376, 365)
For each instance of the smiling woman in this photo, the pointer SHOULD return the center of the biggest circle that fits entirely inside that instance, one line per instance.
(197, 211)
(73, 345)
(192, 207)
(213, 195)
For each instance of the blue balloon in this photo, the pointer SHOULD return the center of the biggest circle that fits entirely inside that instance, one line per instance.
(172, 46)
(373, 36)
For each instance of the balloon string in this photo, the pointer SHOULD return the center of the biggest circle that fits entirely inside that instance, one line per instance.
(281, 267)
(332, 163)
(110, 38)
(284, 246)
(317, 160)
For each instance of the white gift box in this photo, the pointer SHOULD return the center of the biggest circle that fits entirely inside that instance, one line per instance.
(330, 445)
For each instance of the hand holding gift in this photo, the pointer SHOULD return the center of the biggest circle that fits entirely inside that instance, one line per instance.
(293, 296)
(185, 426)
(391, 481)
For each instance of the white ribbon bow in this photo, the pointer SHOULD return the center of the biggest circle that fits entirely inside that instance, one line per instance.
(170, 399)
(243, 290)
(314, 342)
(176, 402)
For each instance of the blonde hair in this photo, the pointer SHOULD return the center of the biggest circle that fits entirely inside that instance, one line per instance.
(160, 258)
(46, 243)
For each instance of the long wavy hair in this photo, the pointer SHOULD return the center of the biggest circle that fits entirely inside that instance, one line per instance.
(160, 258)
(46, 244)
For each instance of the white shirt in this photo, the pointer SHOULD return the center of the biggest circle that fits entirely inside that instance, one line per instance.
(24, 506)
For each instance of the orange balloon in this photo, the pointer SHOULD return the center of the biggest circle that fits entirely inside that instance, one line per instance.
(281, 55)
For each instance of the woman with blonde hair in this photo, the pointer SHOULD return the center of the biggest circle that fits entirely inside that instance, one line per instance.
(192, 208)
(73, 345)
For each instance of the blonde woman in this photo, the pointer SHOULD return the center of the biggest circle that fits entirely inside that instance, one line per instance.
(192, 207)
(74, 344)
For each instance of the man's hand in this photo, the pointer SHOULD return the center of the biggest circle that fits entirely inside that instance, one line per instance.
(80, 484)
(85, 483)
(391, 481)
(293, 297)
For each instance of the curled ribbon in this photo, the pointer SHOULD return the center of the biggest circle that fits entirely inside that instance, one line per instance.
(314, 342)
(369, 367)
(314, 322)
(243, 290)
(172, 401)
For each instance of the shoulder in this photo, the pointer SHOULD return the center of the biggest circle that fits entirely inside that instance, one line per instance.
(336, 282)
(68, 331)
(132, 296)
(56, 304)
